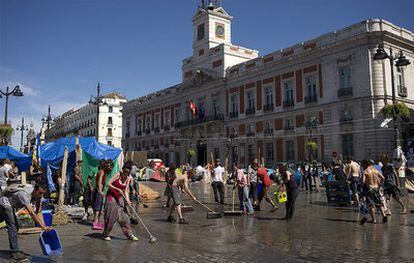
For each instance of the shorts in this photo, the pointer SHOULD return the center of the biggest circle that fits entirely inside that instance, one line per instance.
(374, 198)
(87, 198)
(97, 201)
(175, 194)
(392, 190)
(354, 184)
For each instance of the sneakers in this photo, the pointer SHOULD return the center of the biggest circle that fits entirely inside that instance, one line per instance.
(171, 219)
(107, 238)
(18, 257)
(133, 238)
(85, 217)
(182, 221)
(384, 219)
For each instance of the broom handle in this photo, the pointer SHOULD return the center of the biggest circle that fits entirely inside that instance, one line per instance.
(208, 208)
(136, 215)
(233, 197)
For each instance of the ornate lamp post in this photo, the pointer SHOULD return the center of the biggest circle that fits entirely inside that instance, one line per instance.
(15, 92)
(22, 128)
(400, 61)
(97, 100)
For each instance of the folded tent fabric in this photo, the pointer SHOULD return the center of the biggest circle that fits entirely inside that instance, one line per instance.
(22, 160)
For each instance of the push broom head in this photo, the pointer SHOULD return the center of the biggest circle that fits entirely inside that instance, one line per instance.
(233, 213)
(213, 215)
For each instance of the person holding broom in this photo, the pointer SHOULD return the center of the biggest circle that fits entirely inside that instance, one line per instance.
(179, 182)
(116, 209)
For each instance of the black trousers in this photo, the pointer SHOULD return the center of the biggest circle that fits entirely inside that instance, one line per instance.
(290, 203)
(218, 188)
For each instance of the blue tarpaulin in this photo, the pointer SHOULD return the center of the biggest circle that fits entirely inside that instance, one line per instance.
(22, 160)
(51, 154)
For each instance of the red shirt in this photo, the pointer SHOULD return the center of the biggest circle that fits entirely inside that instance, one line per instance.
(264, 177)
(114, 194)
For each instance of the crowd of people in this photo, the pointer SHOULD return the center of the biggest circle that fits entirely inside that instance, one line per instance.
(372, 185)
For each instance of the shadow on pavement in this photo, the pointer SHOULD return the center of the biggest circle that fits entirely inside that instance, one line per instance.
(6, 254)
(341, 220)
(266, 218)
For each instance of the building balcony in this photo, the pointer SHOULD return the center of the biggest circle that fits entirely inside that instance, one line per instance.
(250, 134)
(109, 125)
(156, 146)
(268, 107)
(157, 130)
(345, 119)
(343, 92)
(234, 114)
(166, 145)
(311, 98)
(147, 131)
(166, 127)
(268, 131)
(215, 117)
(139, 133)
(250, 111)
(288, 103)
(402, 91)
(289, 129)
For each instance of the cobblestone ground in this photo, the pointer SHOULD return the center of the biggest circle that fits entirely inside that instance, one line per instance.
(318, 233)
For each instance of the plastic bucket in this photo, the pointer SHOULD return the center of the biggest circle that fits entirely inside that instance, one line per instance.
(47, 217)
(50, 243)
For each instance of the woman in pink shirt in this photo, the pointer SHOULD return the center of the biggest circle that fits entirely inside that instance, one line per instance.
(242, 183)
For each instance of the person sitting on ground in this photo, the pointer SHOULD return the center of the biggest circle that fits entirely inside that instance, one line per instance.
(15, 197)
(391, 183)
(371, 180)
(266, 183)
(116, 209)
(179, 181)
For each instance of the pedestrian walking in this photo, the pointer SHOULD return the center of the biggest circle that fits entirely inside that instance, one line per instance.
(292, 191)
(264, 179)
(218, 182)
(252, 174)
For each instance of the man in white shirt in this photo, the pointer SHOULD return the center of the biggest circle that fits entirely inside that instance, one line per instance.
(218, 183)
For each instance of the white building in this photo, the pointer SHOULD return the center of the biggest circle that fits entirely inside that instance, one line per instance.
(107, 127)
(260, 106)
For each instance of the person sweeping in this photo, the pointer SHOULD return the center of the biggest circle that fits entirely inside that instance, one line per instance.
(179, 181)
(115, 208)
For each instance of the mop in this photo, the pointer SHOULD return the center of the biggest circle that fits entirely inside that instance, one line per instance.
(233, 212)
(152, 238)
(212, 214)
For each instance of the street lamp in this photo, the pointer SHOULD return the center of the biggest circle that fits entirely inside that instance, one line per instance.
(97, 100)
(400, 62)
(22, 128)
(15, 92)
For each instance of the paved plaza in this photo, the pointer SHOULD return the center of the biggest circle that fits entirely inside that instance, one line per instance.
(317, 233)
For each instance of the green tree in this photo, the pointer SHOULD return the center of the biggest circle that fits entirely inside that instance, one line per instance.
(401, 110)
(5, 132)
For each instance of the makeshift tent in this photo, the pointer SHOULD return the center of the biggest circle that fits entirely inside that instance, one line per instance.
(51, 154)
(22, 160)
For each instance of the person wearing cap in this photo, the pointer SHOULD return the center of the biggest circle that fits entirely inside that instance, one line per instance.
(218, 182)
(14, 197)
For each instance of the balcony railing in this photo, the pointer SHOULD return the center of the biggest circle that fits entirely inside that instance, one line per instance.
(311, 98)
(268, 131)
(250, 134)
(342, 92)
(288, 128)
(156, 129)
(402, 91)
(288, 103)
(250, 111)
(166, 127)
(345, 119)
(268, 107)
(216, 117)
(166, 145)
(234, 114)
(147, 131)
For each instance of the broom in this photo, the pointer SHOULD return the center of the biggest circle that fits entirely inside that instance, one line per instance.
(61, 217)
(233, 212)
(211, 214)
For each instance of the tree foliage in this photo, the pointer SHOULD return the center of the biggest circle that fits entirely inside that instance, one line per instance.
(401, 110)
(313, 146)
(5, 132)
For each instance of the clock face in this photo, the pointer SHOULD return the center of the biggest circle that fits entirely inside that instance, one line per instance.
(220, 30)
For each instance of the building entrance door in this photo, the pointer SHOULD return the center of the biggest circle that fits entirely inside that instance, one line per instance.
(201, 153)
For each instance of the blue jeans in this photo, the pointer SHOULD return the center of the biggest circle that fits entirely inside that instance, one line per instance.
(245, 203)
(7, 214)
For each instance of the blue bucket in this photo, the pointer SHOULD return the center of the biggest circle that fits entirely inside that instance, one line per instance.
(50, 243)
(47, 217)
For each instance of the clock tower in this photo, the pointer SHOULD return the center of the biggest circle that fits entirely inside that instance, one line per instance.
(213, 51)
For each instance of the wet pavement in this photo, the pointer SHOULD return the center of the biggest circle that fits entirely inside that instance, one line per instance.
(317, 233)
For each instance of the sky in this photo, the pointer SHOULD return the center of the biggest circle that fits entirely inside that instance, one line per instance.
(58, 51)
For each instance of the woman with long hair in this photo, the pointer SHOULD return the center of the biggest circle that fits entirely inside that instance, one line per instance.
(116, 209)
